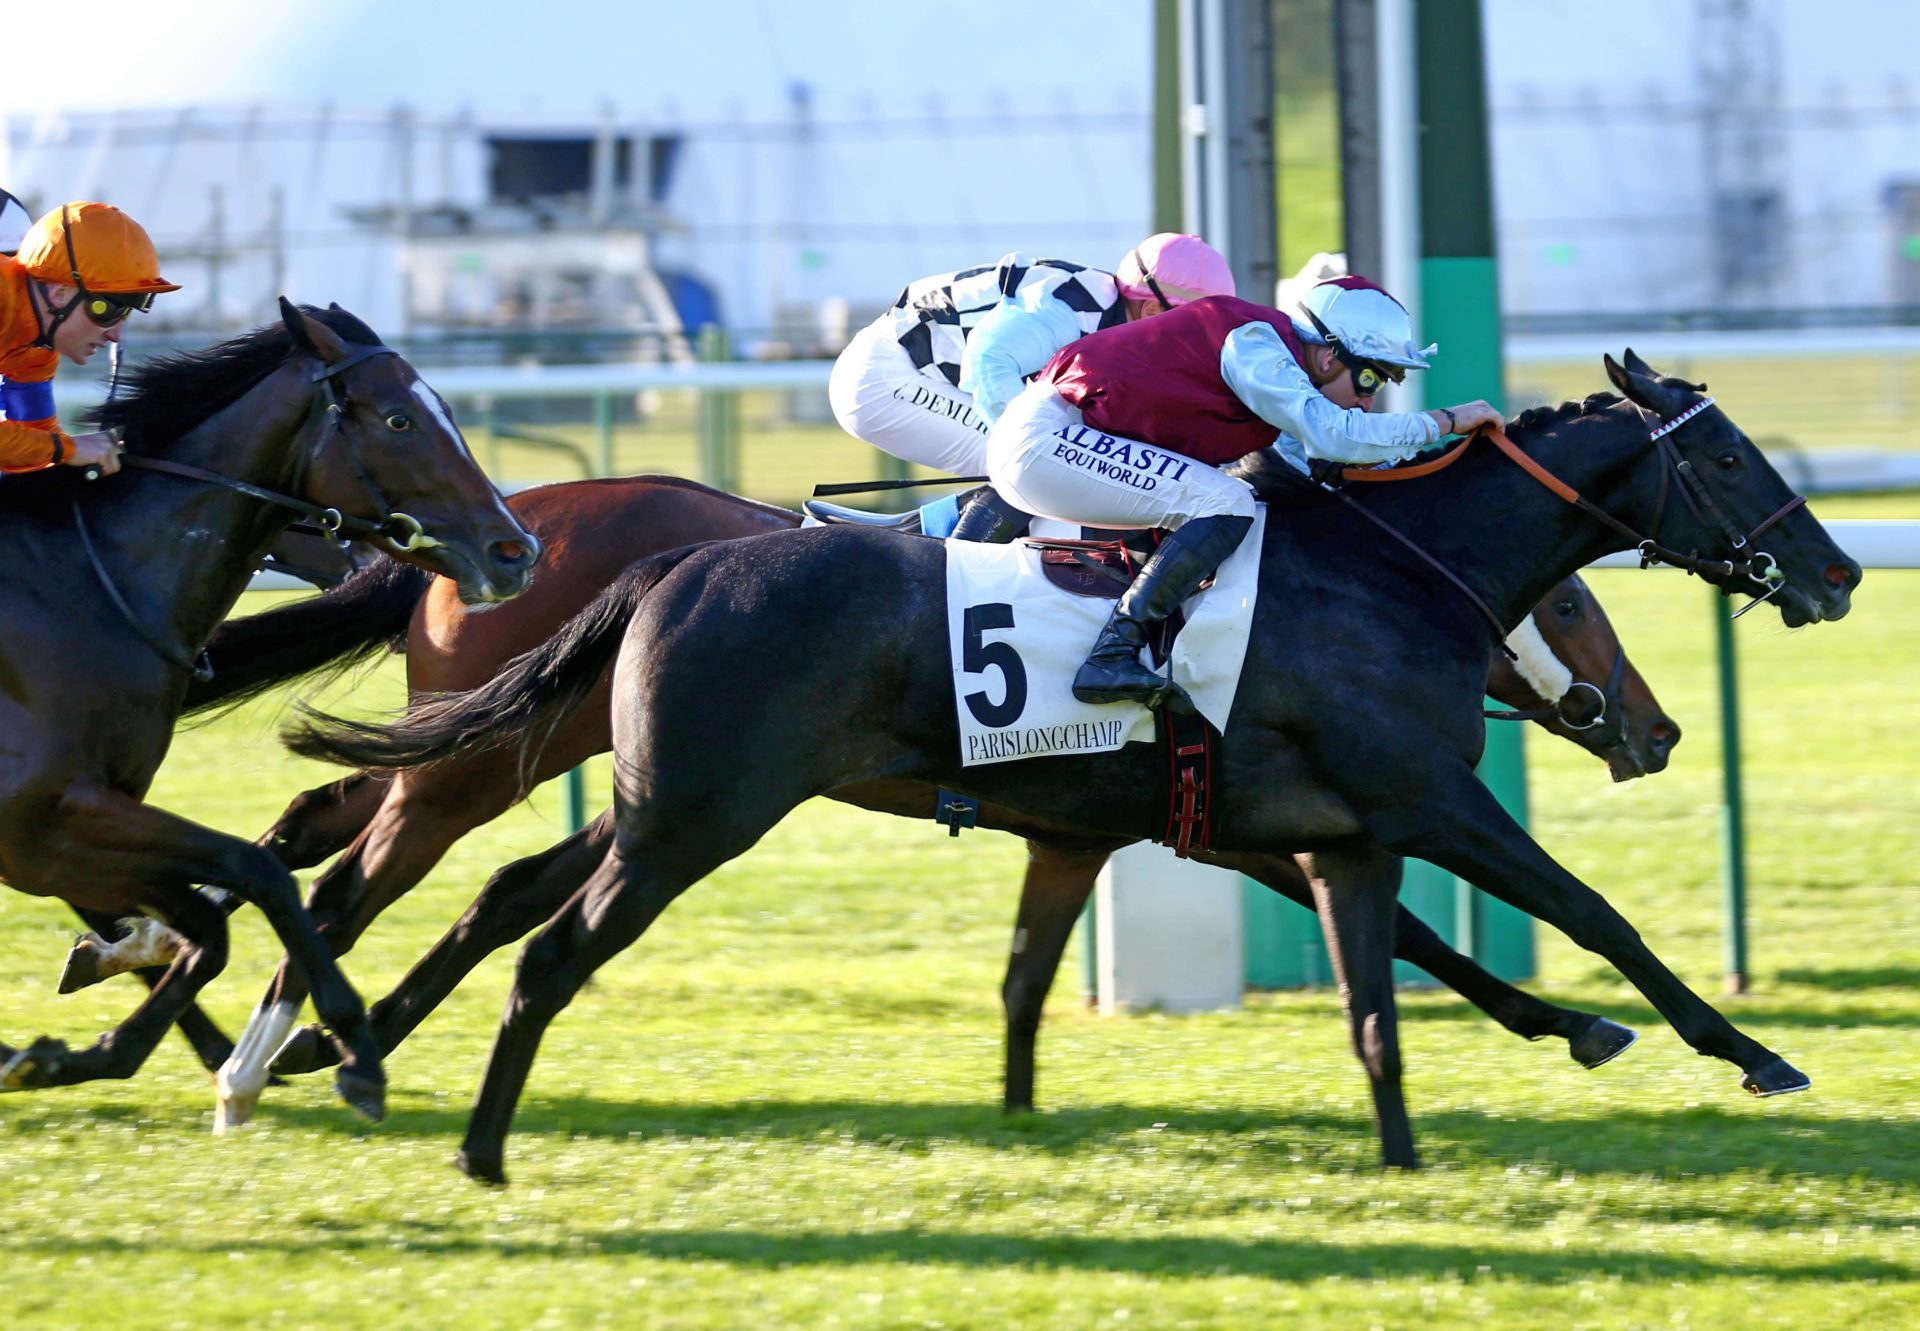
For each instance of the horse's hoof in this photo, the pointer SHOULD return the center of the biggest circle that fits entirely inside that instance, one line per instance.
(489, 1170)
(83, 964)
(33, 1067)
(1602, 1042)
(1776, 1078)
(365, 1096)
(233, 1103)
(306, 1050)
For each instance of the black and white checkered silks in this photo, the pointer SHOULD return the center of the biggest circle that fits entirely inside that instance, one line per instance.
(933, 316)
(897, 383)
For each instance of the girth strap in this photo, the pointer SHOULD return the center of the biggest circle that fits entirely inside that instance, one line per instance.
(1192, 746)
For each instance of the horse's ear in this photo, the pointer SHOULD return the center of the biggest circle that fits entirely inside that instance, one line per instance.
(311, 335)
(1645, 387)
(1615, 371)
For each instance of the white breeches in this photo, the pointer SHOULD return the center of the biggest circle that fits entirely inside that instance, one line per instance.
(880, 396)
(1043, 459)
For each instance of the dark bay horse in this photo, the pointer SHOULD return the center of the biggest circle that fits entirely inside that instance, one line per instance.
(752, 675)
(116, 585)
(400, 825)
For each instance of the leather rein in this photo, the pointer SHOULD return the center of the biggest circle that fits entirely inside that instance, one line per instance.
(402, 529)
(1757, 566)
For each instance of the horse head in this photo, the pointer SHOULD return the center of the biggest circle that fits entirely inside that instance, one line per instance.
(388, 453)
(1569, 664)
(1716, 498)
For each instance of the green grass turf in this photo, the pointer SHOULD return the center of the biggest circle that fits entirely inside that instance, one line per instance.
(779, 1108)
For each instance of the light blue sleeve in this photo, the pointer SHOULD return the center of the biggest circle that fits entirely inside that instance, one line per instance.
(1263, 374)
(1016, 339)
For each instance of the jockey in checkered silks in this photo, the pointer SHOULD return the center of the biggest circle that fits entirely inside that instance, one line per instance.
(925, 381)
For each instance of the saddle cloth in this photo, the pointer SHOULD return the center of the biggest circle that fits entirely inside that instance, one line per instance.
(1016, 640)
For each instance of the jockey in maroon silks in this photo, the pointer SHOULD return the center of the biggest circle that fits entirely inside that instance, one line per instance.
(1129, 427)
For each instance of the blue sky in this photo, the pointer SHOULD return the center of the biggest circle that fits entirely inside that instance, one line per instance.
(569, 57)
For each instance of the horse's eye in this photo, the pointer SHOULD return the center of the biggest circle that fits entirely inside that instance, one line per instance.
(1728, 461)
(399, 421)
(1564, 609)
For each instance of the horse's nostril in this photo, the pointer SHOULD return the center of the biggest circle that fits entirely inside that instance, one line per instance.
(510, 554)
(1663, 735)
(1838, 575)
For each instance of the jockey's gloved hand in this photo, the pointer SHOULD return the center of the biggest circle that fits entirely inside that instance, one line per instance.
(1466, 417)
(99, 449)
(1325, 470)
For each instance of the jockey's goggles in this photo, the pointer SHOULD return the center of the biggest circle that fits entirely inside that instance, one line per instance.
(107, 309)
(1369, 376)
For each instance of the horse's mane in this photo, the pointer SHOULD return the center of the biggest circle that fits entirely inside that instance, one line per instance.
(1276, 481)
(161, 398)
(1542, 418)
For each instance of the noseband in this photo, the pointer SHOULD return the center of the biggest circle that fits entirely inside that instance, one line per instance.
(1757, 566)
(401, 529)
(1608, 696)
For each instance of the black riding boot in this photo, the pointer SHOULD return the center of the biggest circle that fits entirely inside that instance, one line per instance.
(989, 519)
(1113, 671)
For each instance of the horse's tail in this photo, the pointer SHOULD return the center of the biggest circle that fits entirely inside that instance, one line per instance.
(525, 702)
(333, 631)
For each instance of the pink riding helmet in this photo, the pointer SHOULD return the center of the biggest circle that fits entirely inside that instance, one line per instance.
(1174, 268)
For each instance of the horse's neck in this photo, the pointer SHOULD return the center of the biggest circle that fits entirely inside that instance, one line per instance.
(181, 550)
(1506, 535)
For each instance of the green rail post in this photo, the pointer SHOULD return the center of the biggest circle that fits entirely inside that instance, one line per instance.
(573, 799)
(603, 430)
(719, 420)
(1733, 858)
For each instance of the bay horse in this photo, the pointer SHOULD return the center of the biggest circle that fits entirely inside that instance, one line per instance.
(117, 584)
(722, 723)
(399, 826)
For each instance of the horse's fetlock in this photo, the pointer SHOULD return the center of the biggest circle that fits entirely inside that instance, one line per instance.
(1378, 1042)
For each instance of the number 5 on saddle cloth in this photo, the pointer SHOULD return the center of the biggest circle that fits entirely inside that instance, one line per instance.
(1016, 639)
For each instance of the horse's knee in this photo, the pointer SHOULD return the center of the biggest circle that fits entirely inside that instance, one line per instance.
(538, 987)
(257, 874)
(1604, 934)
(317, 823)
(338, 934)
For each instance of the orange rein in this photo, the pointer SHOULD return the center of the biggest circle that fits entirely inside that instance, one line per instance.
(1458, 451)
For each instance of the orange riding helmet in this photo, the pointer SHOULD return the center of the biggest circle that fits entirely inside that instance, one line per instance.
(95, 247)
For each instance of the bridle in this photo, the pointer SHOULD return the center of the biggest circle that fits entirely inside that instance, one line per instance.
(1557, 711)
(1756, 566)
(403, 530)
